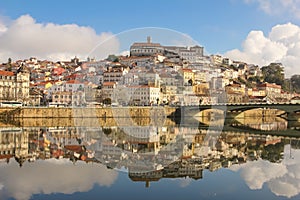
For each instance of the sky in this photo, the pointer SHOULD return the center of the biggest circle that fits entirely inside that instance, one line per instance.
(254, 31)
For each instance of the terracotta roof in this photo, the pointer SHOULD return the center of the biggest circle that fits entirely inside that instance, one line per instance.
(109, 83)
(272, 85)
(142, 44)
(186, 70)
(73, 82)
(75, 148)
(136, 86)
(6, 156)
(6, 73)
(133, 58)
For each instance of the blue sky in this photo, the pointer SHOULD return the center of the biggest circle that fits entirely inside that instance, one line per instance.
(218, 25)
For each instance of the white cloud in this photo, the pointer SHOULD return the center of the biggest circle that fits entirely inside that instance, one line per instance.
(125, 53)
(54, 176)
(24, 37)
(282, 44)
(278, 7)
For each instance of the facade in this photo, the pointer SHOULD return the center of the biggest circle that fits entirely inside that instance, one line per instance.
(227, 61)
(168, 93)
(114, 74)
(68, 86)
(69, 98)
(217, 59)
(257, 93)
(143, 95)
(218, 83)
(14, 143)
(236, 88)
(15, 85)
(146, 48)
(188, 76)
(167, 79)
(202, 89)
(192, 54)
(108, 89)
(270, 88)
(138, 61)
(150, 77)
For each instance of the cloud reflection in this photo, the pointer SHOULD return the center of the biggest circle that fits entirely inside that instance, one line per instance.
(283, 179)
(52, 176)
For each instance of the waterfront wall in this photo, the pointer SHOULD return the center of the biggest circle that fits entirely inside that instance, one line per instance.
(108, 112)
(92, 117)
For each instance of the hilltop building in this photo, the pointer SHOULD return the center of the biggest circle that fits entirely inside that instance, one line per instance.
(190, 54)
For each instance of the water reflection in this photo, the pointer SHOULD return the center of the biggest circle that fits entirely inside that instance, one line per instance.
(51, 176)
(73, 159)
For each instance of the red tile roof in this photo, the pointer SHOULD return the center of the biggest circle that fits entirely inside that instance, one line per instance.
(6, 73)
(73, 82)
(109, 83)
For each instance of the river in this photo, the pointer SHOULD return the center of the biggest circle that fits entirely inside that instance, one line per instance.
(145, 158)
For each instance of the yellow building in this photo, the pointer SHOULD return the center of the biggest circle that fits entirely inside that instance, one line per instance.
(188, 76)
(236, 88)
(201, 89)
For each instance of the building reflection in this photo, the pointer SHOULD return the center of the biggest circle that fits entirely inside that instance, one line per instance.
(147, 153)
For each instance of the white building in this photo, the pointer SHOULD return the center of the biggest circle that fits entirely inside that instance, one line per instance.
(15, 86)
(146, 48)
(69, 86)
(227, 61)
(218, 83)
(70, 98)
(191, 54)
(143, 95)
(114, 75)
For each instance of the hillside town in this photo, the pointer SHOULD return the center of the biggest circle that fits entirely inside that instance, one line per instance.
(152, 74)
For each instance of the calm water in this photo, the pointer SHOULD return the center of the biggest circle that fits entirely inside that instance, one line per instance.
(168, 161)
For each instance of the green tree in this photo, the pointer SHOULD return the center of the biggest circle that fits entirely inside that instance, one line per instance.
(295, 83)
(273, 73)
(107, 101)
(112, 58)
(256, 79)
(287, 86)
(9, 64)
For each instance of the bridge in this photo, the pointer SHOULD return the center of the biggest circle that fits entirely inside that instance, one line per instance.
(226, 125)
(234, 109)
